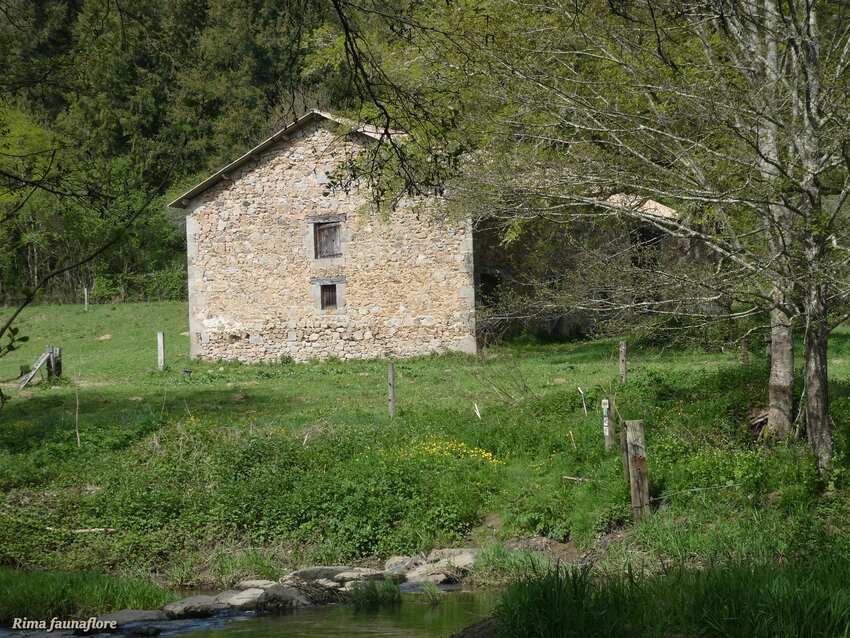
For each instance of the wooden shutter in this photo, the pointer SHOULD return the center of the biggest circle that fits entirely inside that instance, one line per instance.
(328, 240)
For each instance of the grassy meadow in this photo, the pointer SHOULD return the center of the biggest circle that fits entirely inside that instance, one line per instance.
(250, 470)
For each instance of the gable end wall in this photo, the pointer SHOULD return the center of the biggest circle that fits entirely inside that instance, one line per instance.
(405, 285)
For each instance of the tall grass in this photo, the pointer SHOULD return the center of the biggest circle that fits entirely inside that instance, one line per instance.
(430, 594)
(42, 595)
(497, 565)
(374, 594)
(731, 601)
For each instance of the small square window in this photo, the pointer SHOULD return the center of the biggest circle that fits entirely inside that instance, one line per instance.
(328, 296)
(327, 239)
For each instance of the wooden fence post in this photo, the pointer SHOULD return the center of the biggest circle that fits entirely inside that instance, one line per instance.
(624, 450)
(49, 363)
(160, 351)
(86, 298)
(391, 388)
(745, 351)
(54, 362)
(623, 367)
(638, 476)
(607, 430)
(624, 454)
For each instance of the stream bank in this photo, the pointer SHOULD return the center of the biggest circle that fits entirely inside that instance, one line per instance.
(302, 591)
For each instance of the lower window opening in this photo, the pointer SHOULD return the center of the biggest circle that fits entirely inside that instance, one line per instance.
(328, 293)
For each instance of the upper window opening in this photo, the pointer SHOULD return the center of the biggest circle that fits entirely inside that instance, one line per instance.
(327, 239)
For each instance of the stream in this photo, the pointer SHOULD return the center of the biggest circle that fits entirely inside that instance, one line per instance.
(414, 618)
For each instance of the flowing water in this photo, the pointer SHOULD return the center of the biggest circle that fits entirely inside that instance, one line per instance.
(414, 618)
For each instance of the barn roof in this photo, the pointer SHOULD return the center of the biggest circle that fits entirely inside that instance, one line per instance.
(373, 132)
(648, 207)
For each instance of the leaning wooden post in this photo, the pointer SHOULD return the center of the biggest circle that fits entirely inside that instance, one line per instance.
(745, 351)
(160, 351)
(638, 476)
(42, 361)
(391, 388)
(607, 430)
(623, 368)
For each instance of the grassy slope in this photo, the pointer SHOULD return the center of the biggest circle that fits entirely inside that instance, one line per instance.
(244, 470)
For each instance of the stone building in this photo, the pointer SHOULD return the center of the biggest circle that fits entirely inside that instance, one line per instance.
(282, 265)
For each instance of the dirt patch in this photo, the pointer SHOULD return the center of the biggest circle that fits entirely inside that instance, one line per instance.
(553, 550)
(601, 546)
(493, 522)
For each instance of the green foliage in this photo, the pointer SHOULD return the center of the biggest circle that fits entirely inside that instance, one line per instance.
(737, 600)
(73, 595)
(105, 107)
(163, 285)
(232, 564)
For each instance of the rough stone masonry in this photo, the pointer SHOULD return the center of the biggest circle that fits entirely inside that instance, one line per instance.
(282, 265)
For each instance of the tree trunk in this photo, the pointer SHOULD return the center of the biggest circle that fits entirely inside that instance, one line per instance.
(818, 424)
(781, 385)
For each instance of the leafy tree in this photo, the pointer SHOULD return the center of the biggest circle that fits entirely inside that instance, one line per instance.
(733, 113)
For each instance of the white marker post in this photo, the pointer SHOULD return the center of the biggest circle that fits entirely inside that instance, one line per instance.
(160, 351)
(86, 298)
(607, 430)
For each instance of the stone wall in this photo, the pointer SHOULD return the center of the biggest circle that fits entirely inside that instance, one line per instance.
(404, 285)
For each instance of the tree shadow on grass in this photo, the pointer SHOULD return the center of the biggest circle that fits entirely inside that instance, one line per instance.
(567, 353)
(117, 420)
(839, 344)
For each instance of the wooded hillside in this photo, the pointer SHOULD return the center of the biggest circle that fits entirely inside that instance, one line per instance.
(104, 104)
